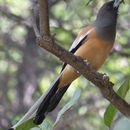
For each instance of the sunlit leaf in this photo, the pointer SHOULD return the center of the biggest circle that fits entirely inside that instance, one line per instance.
(111, 109)
(26, 125)
(46, 125)
(72, 102)
(29, 125)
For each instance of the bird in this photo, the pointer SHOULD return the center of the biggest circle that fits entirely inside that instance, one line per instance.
(93, 44)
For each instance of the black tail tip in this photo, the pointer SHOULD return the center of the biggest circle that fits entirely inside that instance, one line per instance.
(39, 119)
(11, 129)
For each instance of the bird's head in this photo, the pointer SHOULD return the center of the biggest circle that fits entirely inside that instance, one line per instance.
(107, 15)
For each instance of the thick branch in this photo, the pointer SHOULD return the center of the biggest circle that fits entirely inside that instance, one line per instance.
(100, 80)
(44, 17)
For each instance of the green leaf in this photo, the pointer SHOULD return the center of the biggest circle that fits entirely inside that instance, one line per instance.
(111, 109)
(26, 125)
(122, 91)
(109, 115)
(35, 128)
(71, 103)
(46, 125)
(29, 125)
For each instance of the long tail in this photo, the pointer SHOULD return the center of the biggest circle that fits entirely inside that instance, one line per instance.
(50, 102)
(57, 97)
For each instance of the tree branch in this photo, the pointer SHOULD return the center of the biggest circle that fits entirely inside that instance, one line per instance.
(44, 18)
(100, 80)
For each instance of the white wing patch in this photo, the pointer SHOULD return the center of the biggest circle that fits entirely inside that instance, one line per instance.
(77, 42)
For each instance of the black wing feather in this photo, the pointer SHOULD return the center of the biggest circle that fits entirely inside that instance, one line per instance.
(74, 50)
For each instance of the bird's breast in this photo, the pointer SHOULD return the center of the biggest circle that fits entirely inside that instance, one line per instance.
(95, 50)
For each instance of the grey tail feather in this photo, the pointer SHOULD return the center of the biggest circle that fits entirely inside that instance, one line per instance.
(40, 114)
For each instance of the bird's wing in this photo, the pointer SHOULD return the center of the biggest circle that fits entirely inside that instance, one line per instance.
(78, 42)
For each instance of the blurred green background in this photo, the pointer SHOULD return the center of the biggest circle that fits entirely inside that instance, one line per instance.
(26, 70)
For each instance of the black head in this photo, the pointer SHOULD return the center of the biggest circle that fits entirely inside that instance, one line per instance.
(107, 15)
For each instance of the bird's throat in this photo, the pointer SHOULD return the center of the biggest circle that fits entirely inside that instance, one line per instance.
(107, 33)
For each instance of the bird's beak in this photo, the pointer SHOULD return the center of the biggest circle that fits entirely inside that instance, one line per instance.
(117, 3)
